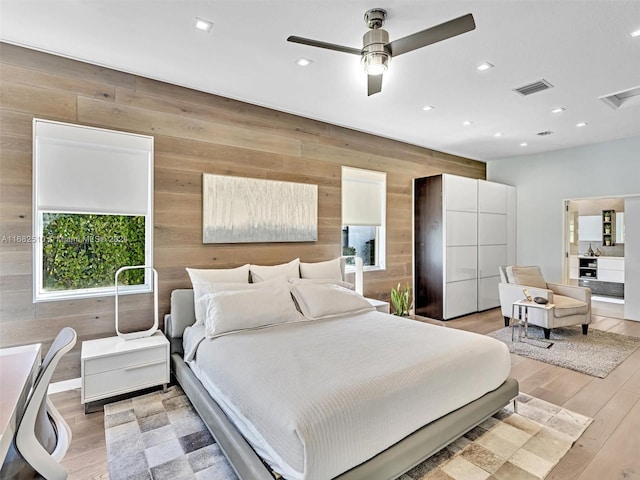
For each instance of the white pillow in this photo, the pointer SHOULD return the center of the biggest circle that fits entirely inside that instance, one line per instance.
(233, 311)
(321, 281)
(318, 301)
(260, 273)
(206, 288)
(220, 275)
(200, 278)
(328, 269)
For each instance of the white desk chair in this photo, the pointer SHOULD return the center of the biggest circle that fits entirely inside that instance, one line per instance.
(43, 437)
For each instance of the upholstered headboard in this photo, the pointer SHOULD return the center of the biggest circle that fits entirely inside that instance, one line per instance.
(182, 316)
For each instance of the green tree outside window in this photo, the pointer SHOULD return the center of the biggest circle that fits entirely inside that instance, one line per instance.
(81, 251)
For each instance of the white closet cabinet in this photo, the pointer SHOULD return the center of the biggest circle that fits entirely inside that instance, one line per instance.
(496, 238)
(464, 229)
(460, 282)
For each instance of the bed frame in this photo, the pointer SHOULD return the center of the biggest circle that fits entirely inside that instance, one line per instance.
(387, 465)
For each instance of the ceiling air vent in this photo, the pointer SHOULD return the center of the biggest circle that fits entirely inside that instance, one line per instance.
(546, 132)
(534, 87)
(626, 97)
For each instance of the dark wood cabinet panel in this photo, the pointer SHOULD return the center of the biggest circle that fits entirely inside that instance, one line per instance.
(429, 241)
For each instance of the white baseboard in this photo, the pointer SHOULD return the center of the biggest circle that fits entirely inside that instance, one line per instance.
(57, 387)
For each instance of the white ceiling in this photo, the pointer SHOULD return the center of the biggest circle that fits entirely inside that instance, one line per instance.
(582, 47)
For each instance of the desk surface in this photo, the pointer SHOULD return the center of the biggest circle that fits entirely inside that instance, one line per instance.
(18, 366)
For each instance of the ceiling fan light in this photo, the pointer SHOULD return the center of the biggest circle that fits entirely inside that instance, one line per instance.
(376, 69)
(375, 63)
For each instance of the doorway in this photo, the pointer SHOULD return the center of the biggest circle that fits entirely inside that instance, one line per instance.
(595, 251)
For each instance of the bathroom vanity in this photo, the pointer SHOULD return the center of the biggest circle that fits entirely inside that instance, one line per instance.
(603, 274)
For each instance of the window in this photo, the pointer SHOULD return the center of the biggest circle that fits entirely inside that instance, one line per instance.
(92, 193)
(364, 215)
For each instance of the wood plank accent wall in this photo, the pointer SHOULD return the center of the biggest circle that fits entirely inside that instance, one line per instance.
(194, 132)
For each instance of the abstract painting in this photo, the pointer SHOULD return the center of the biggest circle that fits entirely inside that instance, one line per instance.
(249, 210)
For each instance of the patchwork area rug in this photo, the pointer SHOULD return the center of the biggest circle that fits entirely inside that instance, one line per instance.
(160, 436)
(595, 354)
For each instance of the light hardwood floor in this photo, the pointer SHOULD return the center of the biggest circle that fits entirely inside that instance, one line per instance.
(608, 450)
(607, 309)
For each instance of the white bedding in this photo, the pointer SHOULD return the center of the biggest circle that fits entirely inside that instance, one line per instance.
(317, 398)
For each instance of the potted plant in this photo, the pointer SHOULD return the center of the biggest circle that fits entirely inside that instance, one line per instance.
(401, 300)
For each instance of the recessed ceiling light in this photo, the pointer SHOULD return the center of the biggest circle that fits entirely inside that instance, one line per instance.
(557, 110)
(304, 62)
(498, 134)
(636, 33)
(467, 122)
(581, 124)
(203, 25)
(524, 144)
(426, 108)
(484, 66)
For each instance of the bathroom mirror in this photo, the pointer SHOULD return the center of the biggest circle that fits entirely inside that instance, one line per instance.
(590, 228)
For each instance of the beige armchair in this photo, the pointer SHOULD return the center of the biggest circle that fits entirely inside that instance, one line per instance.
(572, 303)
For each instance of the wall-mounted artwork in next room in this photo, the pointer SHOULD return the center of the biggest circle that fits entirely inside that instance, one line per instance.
(249, 210)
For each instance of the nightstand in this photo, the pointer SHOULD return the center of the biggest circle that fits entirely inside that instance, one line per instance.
(379, 304)
(113, 366)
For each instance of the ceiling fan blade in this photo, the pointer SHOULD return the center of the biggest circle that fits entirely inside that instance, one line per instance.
(374, 84)
(328, 46)
(431, 35)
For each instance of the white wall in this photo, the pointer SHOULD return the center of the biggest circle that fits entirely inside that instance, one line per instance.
(545, 180)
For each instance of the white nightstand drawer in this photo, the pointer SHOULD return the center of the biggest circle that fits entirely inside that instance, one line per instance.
(122, 360)
(112, 366)
(113, 382)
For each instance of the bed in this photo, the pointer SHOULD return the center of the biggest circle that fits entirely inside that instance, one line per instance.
(262, 396)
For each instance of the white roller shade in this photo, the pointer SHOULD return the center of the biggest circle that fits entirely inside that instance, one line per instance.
(81, 169)
(363, 196)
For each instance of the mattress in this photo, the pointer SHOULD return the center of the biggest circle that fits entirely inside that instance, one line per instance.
(317, 398)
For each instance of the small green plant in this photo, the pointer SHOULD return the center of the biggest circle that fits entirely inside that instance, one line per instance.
(401, 300)
(349, 252)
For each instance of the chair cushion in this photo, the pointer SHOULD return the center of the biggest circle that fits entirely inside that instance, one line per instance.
(528, 276)
(566, 306)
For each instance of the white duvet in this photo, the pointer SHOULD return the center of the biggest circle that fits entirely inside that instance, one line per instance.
(317, 398)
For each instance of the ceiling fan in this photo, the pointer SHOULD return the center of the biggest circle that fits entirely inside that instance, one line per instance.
(377, 50)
